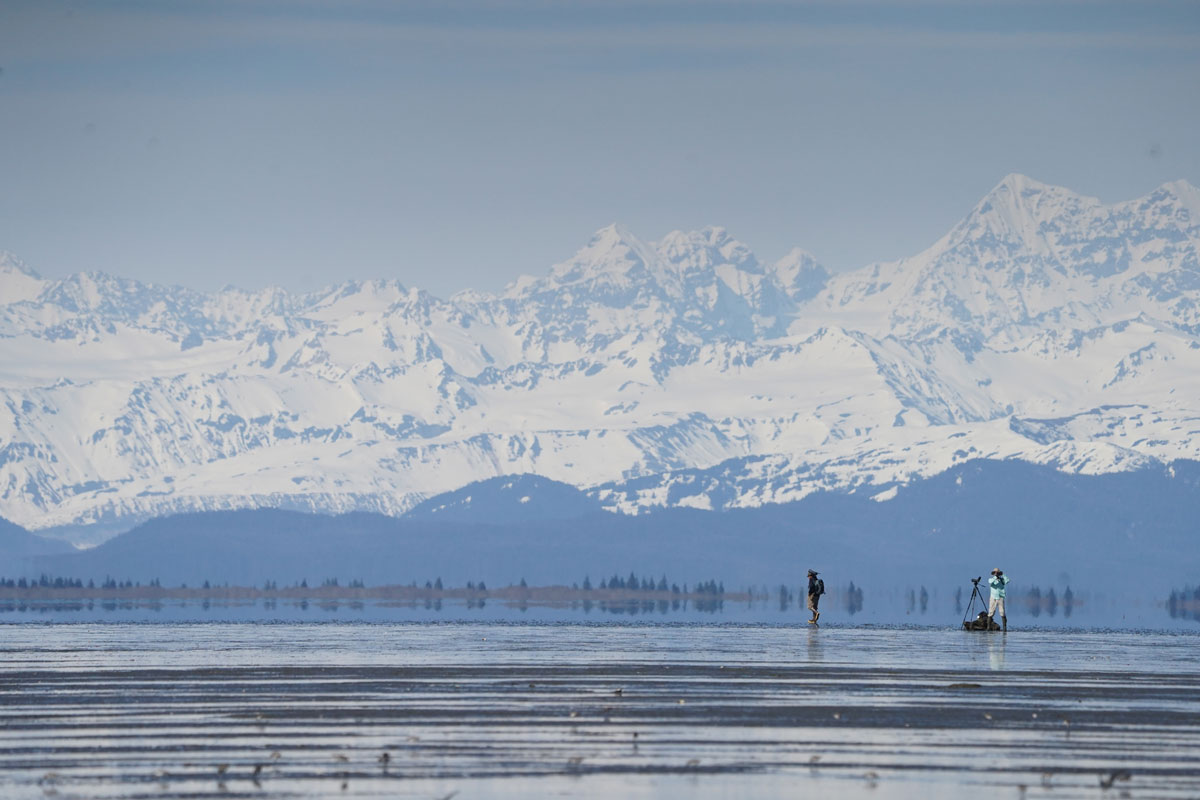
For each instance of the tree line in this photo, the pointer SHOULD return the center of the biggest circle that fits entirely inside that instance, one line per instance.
(44, 581)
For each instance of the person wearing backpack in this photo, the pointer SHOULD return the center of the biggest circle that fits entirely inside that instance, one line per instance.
(816, 588)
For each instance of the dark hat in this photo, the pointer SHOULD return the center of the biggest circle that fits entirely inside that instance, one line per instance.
(812, 572)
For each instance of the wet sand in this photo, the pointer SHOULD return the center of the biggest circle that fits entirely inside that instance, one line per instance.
(552, 711)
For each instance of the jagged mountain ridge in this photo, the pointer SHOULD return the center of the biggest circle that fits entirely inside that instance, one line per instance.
(1034, 256)
(1046, 326)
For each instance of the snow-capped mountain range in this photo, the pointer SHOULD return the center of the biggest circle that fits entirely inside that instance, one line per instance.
(1046, 326)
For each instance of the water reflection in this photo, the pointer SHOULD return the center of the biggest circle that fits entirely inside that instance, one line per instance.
(814, 649)
(996, 642)
(222, 606)
(844, 605)
(1184, 604)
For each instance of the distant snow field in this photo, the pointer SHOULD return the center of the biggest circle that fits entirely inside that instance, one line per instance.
(1045, 326)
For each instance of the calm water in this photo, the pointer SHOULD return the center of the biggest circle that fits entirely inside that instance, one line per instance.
(883, 607)
(585, 710)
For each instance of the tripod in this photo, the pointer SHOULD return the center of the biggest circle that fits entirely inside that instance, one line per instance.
(974, 593)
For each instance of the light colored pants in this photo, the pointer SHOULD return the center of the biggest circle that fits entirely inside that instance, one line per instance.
(997, 602)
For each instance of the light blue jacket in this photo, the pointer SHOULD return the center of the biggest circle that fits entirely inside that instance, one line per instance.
(998, 584)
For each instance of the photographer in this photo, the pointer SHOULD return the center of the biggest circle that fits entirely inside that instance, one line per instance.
(998, 583)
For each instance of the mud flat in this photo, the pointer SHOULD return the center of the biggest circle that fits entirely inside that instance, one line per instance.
(604, 710)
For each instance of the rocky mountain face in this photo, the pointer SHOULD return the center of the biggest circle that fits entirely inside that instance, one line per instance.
(1046, 327)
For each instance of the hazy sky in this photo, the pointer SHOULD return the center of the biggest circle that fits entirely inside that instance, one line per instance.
(459, 144)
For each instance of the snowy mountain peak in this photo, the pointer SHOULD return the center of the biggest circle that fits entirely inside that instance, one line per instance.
(1182, 189)
(613, 255)
(18, 281)
(612, 234)
(799, 274)
(1182, 195)
(1017, 211)
(10, 263)
(615, 267)
(613, 241)
(1017, 183)
(374, 296)
(796, 258)
(703, 250)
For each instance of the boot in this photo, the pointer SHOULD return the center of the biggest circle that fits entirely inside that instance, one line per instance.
(1005, 621)
(991, 622)
(816, 615)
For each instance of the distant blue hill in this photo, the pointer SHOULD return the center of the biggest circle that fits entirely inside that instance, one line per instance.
(18, 546)
(507, 500)
(1104, 532)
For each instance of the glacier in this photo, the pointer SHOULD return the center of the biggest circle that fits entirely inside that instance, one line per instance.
(1046, 327)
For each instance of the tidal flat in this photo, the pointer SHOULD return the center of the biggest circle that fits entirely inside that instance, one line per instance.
(449, 709)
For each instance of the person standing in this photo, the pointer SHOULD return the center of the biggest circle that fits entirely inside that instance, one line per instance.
(816, 588)
(998, 583)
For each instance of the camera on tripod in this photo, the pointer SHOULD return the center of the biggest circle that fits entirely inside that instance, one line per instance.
(983, 622)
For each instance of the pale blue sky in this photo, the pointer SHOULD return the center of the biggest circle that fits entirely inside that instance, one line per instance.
(459, 144)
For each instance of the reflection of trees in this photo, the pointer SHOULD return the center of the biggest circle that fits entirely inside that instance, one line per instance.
(618, 595)
(915, 600)
(1184, 603)
(1033, 601)
(852, 600)
(1037, 601)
